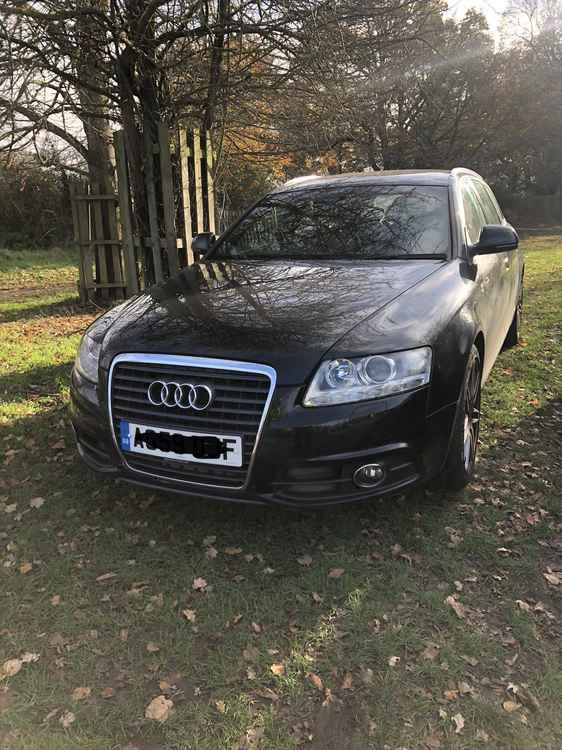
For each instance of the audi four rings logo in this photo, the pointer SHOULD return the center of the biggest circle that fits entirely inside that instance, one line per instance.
(184, 395)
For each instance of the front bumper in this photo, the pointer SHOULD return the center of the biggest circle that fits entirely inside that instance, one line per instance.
(305, 457)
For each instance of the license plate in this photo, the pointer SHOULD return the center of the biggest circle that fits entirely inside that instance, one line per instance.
(198, 447)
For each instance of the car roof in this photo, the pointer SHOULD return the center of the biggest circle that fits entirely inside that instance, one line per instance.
(388, 177)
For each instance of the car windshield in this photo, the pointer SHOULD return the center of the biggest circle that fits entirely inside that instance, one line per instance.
(365, 222)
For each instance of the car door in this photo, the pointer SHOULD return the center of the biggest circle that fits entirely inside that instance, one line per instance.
(508, 270)
(489, 299)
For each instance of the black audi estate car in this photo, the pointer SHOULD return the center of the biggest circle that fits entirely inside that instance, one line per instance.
(329, 347)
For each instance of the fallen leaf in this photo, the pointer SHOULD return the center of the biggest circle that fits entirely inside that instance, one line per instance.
(278, 669)
(305, 561)
(336, 573)
(256, 627)
(268, 694)
(553, 577)
(456, 606)
(316, 681)
(465, 688)
(29, 657)
(458, 719)
(199, 584)
(25, 568)
(347, 681)
(81, 693)
(233, 551)
(152, 648)
(67, 718)
(10, 668)
(36, 502)
(430, 652)
(107, 692)
(189, 614)
(510, 706)
(221, 706)
(316, 597)
(523, 605)
(55, 600)
(451, 695)
(251, 653)
(211, 553)
(159, 709)
(106, 577)
(393, 661)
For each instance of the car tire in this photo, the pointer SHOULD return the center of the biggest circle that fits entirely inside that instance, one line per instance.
(512, 338)
(459, 467)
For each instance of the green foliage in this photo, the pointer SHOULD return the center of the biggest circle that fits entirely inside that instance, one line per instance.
(34, 204)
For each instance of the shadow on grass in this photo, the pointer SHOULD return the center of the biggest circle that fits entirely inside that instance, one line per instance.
(40, 381)
(66, 307)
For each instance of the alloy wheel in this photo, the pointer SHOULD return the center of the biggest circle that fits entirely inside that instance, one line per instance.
(472, 415)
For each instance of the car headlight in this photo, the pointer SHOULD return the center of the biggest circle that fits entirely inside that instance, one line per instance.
(341, 381)
(87, 358)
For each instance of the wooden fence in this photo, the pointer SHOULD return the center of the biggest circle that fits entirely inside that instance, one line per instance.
(116, 259)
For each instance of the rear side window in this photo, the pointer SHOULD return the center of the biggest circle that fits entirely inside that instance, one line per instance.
(474, 215)
(488, 203)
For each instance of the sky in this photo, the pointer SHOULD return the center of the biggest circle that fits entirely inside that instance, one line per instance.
(492, 9)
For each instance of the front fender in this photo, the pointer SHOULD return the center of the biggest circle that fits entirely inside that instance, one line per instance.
(439, 312)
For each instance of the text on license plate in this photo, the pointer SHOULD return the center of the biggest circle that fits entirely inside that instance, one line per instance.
(223, 450)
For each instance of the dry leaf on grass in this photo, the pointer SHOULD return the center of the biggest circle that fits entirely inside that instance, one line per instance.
(199, 584)
(81, 693)
(336, 573)
(430, 652)
(106, 577)
(10, 668)
(458, 720)
(55, 600)
(393, 661)
(305, 561)
(107, 692)
(316, 681)
(25, 568)
(221, 706)
(347, 681)
(211, 553)
(152, 648)
(233, 551)
(67, 718)
(456, 606)
(159, 709)
(189, 614)
(278, 669)
(553, 577)
(36, 502)
(510, 706)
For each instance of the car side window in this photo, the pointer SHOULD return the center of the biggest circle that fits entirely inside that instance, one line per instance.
(473, 212)
(491, 212)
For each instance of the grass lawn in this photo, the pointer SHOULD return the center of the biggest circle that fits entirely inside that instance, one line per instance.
(423, 622)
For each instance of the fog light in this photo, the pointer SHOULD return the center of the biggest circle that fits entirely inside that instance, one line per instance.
(368, 475)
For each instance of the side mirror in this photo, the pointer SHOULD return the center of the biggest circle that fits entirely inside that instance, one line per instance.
(202, 243)
(495, 238)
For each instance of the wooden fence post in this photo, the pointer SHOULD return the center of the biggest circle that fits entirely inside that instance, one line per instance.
(129, 257)
(168, 199)
(184, 167)
(198, 181)
(210, 183)
(152, 206)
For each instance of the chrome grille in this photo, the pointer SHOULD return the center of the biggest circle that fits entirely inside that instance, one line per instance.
(242, 393)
